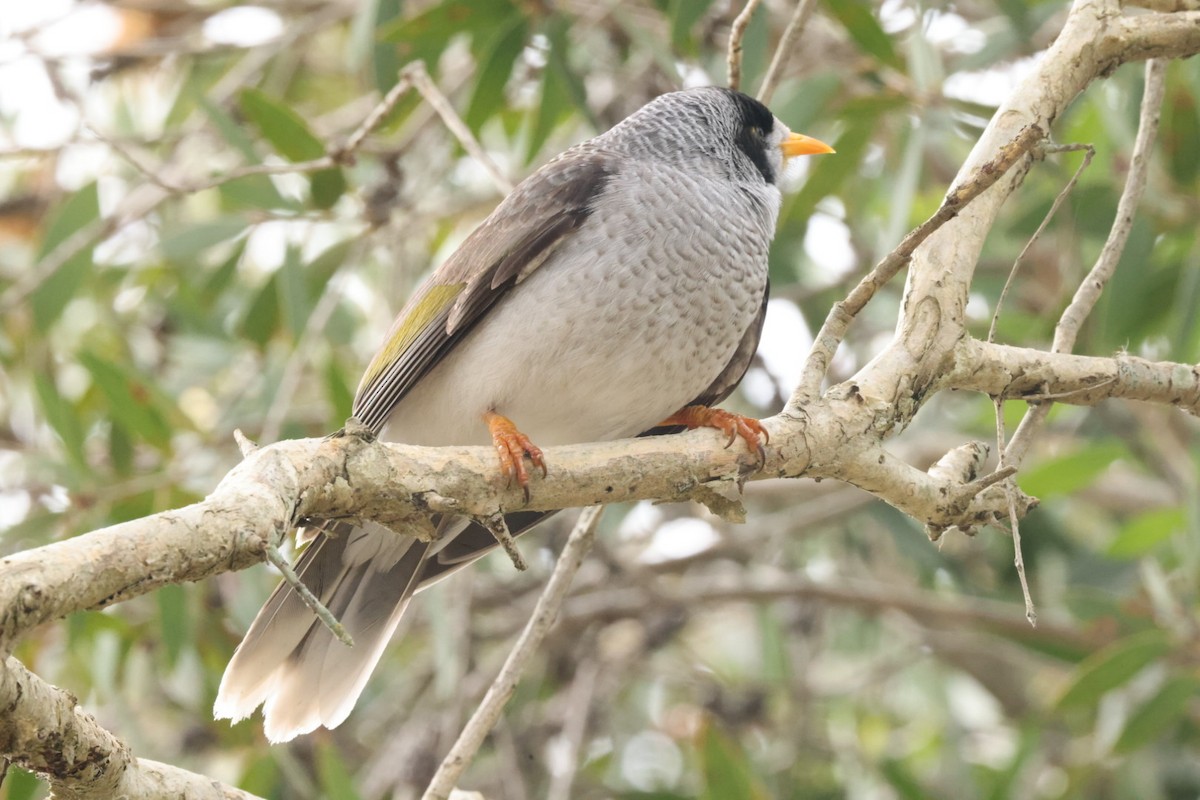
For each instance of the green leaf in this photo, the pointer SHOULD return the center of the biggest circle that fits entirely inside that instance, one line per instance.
(1111, 667)
(173, 620)
(684, 16)
(1180, 132)
(493, 72)
(1159, 714)
(1071, 472)
(327, 186)
(1144, 532)
(337, 388)
(336, 782)
(186, 243)
(78, 210)
(262, 315)
(555, 102)
(281, 126)
(261, 777)
(424, 36)
(61, 416)
(290, 136)
(130, 399)
(859, 20)
(293, 292)
(22, 785)
(385, 66)
(726, 768)
(900, 777)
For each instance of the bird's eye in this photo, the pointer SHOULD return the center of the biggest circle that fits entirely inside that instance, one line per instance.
(758, 131)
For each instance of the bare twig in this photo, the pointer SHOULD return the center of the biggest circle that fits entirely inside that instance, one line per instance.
(498, 694)
(737, 32)
(421, 81)
(245, 444)
(1089, 154)
(1088, 293)
(840, 316)
(579, 703)
(276, 557)
(1013, 518)
(498, 528)
(791, 35)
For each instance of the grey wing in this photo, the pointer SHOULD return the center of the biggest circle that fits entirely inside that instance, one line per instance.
(510, 244)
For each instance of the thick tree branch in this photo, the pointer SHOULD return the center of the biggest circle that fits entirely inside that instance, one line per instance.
(43, 729)
(1022, 373)
(1094, 41)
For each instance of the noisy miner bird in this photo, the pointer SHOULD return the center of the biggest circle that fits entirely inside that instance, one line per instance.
(619, 288)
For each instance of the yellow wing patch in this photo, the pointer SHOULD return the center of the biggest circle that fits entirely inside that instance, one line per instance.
(408, 326)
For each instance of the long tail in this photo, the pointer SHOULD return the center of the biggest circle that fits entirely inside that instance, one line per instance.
(292, 665)
(365, 575)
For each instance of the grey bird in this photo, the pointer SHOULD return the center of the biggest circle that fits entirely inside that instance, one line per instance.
(618, 289)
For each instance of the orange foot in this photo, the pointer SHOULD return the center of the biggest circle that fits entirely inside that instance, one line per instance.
(512, 446)
(735, 426)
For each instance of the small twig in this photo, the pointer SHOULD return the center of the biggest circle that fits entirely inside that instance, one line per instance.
(498, 528)
(1088, 293)
(737, 32)
(1013, 517)
(1089, 154)
(842, 314)
(275, 556)
(134, 160)
(244, 443)
(791, 34)
(97, 231)
(378, 114)
(991, 479)
(579, 703)
(415, 72)
(1044, 396)
(502, 688)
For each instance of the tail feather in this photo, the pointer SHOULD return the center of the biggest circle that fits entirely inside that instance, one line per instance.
(365, 575)
(292, 663)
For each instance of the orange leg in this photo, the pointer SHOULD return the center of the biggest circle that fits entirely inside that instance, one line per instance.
(735, 426)
(512, 446)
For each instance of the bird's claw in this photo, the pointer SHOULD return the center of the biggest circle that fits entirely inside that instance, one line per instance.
(513, 447)
(734, 426)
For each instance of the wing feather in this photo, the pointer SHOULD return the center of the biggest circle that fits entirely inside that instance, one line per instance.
(510, 244)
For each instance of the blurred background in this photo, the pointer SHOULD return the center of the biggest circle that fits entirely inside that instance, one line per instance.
(143, 318)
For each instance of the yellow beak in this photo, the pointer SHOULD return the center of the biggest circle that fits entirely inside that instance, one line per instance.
(797, 144)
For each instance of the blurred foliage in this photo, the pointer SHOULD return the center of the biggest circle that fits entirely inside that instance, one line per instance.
(902, 671)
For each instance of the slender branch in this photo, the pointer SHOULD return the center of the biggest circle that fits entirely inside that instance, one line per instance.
(421, 81)
(791, 35)
(1089, 152)
(843, 312)
(498, 694)
(1088, 293)
(1013, 518)
(737, 32)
